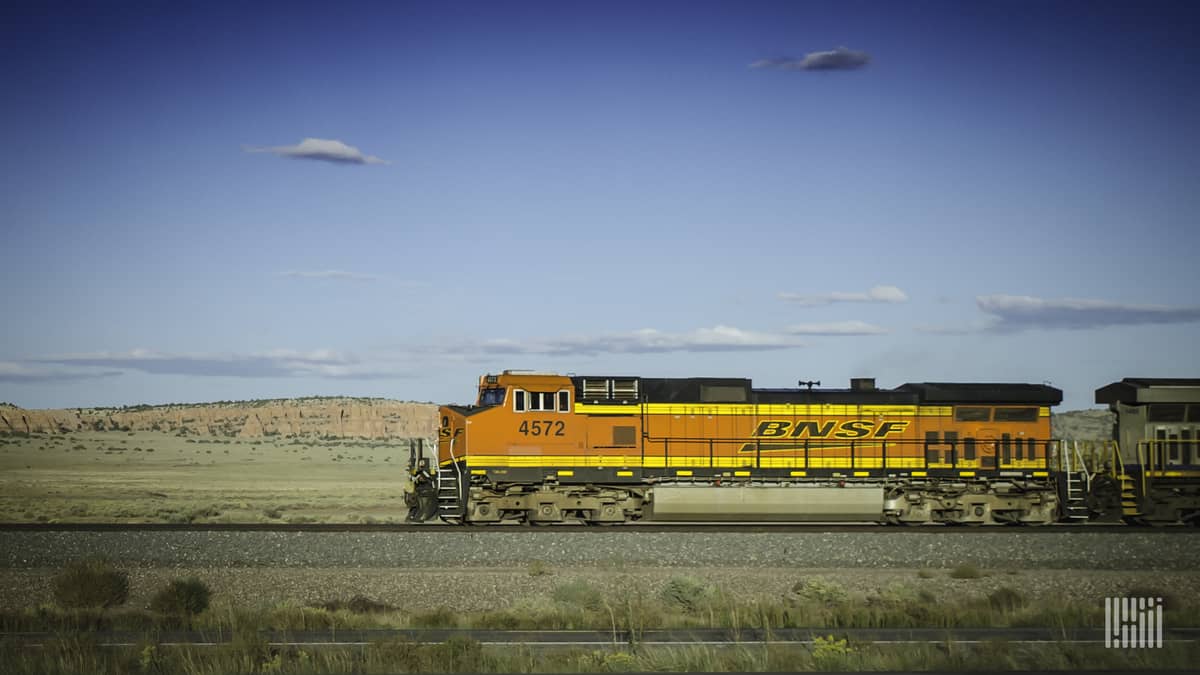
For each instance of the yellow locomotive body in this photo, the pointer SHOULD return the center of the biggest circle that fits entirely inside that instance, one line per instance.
(547, 448)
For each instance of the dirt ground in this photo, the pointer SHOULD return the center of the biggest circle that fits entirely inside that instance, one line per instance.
(138, 477)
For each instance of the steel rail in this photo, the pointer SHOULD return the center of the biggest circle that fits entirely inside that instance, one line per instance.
(602, 638)
(710, 527)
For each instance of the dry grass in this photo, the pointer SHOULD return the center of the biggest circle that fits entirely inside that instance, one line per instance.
(73, 651)
(814, 602)
(250, 653)
(130, 477)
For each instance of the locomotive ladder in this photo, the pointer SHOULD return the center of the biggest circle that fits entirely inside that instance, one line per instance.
(448, 500)
(1076, 481)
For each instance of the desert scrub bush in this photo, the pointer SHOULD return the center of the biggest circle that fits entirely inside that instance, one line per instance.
(966, 571)
(203, 512)
(436, 618)
(1006, 599)
(686, 593)
(829, 651)
(358, 604)
(579, 593)
(91, 583)
(1169, 599)
(819, 590)
(182, 597)
(459, 655)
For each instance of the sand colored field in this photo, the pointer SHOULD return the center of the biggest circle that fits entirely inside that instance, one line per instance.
(146, 476)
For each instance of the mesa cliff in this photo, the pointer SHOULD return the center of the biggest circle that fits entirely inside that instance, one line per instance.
(316, 417)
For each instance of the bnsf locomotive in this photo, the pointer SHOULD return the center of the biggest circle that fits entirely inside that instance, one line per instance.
(544, 448)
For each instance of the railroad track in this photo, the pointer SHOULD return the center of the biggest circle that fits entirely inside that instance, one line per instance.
(635, 527)
(609, 638)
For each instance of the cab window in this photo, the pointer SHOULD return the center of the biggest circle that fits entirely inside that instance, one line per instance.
(541, 401)
(492, 396)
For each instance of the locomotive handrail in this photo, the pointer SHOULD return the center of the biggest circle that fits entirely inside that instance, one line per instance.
(702, 451)
(1143, 458)
(457, 471)
(1083, 468)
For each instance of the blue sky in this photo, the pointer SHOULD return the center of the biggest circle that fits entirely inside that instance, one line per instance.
(795, 190)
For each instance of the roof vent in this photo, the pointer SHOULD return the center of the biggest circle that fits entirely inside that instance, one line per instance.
(862, 384)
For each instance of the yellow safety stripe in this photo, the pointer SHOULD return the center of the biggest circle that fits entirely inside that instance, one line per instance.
(728, 462)
(765, 409)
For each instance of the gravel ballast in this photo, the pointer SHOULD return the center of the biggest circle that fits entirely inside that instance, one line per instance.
(471, 571)
(1151, 550)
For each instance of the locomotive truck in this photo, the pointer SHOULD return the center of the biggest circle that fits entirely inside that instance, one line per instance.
(543, 448)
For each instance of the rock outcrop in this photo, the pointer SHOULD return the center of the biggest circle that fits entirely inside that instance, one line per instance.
(316, 417)
(1083, 425)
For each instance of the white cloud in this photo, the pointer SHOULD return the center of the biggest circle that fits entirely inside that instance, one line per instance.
(325, 150)
(833, 59)
(399, 362)
(1019, 312)
(964, 329)
(836, 328)
(889, 294)
(15, 371)
(322, 363)
(645, 341)
(336, 275)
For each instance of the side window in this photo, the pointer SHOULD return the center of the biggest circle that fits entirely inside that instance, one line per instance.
(564, 401)
(1016, 414)
(518, 400)
(972, 414)
(1166, 412)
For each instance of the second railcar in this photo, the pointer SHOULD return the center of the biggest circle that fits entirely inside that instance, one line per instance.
(1152, 470)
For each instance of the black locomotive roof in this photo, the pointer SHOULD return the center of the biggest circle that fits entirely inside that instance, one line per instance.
(1128, 389)
(696, 389)
(468, 410)
(983, 392)
(739, 390)
(836, 396)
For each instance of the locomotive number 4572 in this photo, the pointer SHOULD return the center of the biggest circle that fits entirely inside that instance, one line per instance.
(542, 428)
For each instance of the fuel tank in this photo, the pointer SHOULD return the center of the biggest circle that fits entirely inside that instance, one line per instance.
(766, 503)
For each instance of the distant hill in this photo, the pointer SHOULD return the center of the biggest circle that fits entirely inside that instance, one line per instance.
(318, 417)
(1083, 425)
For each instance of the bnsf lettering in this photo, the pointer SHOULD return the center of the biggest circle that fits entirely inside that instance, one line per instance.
(888, 428)
(855, 429)
(847, 429)
(772, 429)
(813, 430)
